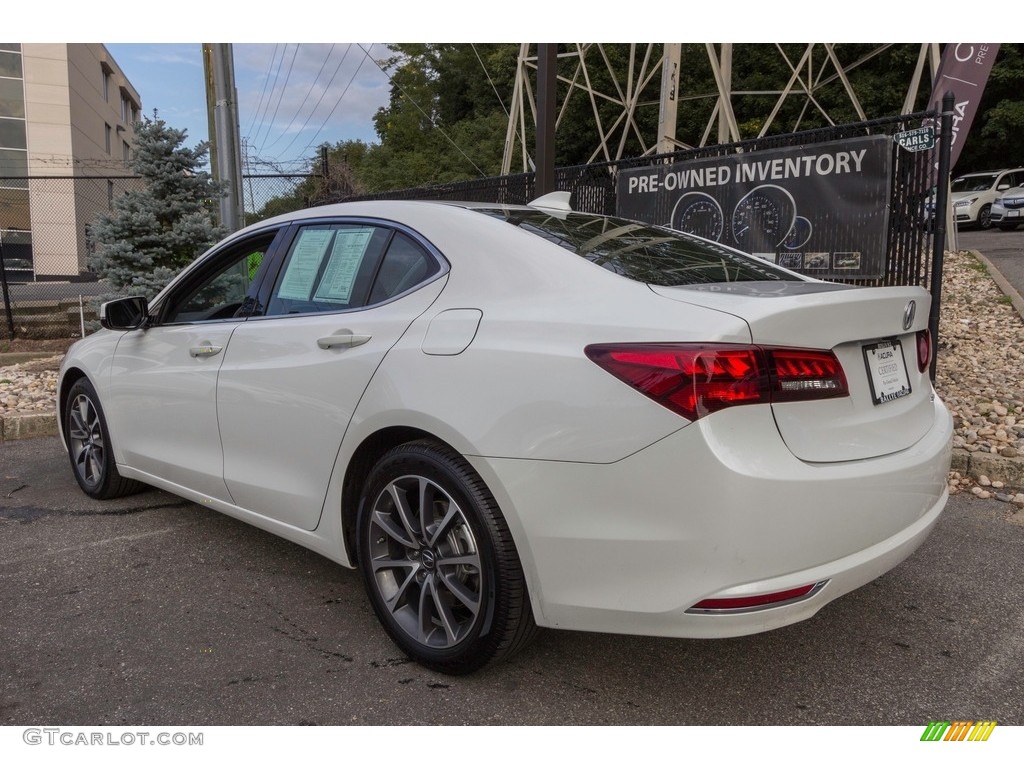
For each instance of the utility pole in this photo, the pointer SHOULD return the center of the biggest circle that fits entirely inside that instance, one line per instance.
(669, 109)
(225, 145)
(547, 74)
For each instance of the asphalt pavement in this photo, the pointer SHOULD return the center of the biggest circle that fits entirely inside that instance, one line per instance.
(1005, 251)
(152, 610)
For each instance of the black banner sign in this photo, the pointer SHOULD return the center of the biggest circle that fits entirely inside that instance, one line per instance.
(963, 70)
(821, 210)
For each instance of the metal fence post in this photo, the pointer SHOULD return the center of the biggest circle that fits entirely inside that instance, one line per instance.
(939, 233)
(6, 294)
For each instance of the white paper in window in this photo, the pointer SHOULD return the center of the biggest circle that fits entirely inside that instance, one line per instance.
(346, 256)
(305, 264)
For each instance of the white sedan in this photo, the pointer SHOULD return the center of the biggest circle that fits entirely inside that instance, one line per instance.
(520, 416)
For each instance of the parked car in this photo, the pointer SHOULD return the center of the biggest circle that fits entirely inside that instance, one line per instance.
(512, 416)
(1008, 209)
(974, 194)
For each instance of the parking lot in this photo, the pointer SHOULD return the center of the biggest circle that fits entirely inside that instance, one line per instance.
(151, 610)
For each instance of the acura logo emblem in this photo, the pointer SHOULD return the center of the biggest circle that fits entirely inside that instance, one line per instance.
(908, 315)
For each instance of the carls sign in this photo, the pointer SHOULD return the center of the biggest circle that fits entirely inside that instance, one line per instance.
(917, 139)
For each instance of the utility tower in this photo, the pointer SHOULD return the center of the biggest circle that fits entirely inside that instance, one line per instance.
(645, 84)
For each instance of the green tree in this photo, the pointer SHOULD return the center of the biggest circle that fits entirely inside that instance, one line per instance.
(152, 233)
(445, 119)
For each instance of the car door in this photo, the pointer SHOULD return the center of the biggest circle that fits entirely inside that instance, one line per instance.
(290, 382)
(162, 391)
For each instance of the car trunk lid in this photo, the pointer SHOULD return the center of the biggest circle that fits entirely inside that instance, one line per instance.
(873, 333)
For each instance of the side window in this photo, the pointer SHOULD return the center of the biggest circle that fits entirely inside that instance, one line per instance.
(222, 291)
(405, 265)
(328, 268)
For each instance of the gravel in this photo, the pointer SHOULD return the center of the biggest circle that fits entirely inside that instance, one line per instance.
(980, 372)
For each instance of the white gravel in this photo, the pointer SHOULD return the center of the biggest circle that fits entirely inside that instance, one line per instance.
(980, 370)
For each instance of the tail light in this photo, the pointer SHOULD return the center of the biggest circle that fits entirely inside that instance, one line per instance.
(694, 380)
(924, 349)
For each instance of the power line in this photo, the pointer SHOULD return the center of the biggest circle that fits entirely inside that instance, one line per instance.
(277, 73)
(266, 79)
(284, 89)
(489, 80)
(326, 90)
(424, 113)
(337, 103)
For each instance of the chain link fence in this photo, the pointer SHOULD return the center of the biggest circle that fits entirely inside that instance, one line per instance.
(48, 290)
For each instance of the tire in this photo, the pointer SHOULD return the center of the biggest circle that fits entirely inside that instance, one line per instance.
(985, 217)
(447, 585)
(89, 448)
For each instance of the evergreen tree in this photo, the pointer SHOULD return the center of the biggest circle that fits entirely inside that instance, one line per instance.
(152, 233)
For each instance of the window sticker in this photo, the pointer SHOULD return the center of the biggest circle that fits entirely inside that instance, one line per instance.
(346, 256)
(305, 264)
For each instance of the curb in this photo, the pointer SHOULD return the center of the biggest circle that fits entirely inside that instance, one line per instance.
(21, 426)
(13, 358)
(1003, 284)
(992, 466)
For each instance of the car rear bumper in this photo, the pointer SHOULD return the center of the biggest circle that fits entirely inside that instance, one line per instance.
(718, 509)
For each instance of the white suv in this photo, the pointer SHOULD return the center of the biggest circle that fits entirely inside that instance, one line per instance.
(1008, 210)
(974, 193)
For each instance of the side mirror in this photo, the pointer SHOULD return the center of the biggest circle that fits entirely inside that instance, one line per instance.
(126, 314)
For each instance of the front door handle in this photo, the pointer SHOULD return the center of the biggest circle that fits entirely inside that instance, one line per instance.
(343, 339)
(205, 350)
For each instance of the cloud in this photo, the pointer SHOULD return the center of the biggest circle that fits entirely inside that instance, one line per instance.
(293, 97)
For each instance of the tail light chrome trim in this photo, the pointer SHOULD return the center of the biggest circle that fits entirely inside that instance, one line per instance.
(751, 603)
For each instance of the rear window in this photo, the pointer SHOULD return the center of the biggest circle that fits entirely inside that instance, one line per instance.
(641, 252)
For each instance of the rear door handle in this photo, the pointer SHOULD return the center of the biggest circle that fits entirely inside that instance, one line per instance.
(342, 339)
(206, 350)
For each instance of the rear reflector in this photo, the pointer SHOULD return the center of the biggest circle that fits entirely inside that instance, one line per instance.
(694, 380)
(757, 602)
(924, 349)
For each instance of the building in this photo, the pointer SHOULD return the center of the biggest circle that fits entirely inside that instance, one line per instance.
(66, 117)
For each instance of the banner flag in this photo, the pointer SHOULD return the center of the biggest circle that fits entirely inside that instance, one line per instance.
(963, 70)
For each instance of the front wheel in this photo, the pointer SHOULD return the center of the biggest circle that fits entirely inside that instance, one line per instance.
(439, 563)
(985, 217)
(88, 441)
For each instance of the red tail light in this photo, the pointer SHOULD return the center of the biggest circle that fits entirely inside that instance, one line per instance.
(924, 349)
(694, 380)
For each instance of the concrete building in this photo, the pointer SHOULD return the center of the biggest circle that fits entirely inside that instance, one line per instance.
(66, 116)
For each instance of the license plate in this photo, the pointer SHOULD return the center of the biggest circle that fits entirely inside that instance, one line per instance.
(887, 371)
(1012, 214)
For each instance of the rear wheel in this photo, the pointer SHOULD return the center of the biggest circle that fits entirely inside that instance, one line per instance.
(88, 441)
(439, 563)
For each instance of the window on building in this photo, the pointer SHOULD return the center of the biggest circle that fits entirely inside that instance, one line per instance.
(126, 152)
(10, 64)
(107, 72)
(106, 137)
(12, 98)
(13, 168)
(12, 133)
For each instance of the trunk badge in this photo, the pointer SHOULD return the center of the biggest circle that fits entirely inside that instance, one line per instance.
(908, 315)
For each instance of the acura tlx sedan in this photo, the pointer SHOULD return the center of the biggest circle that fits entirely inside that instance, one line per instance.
(518, 416)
